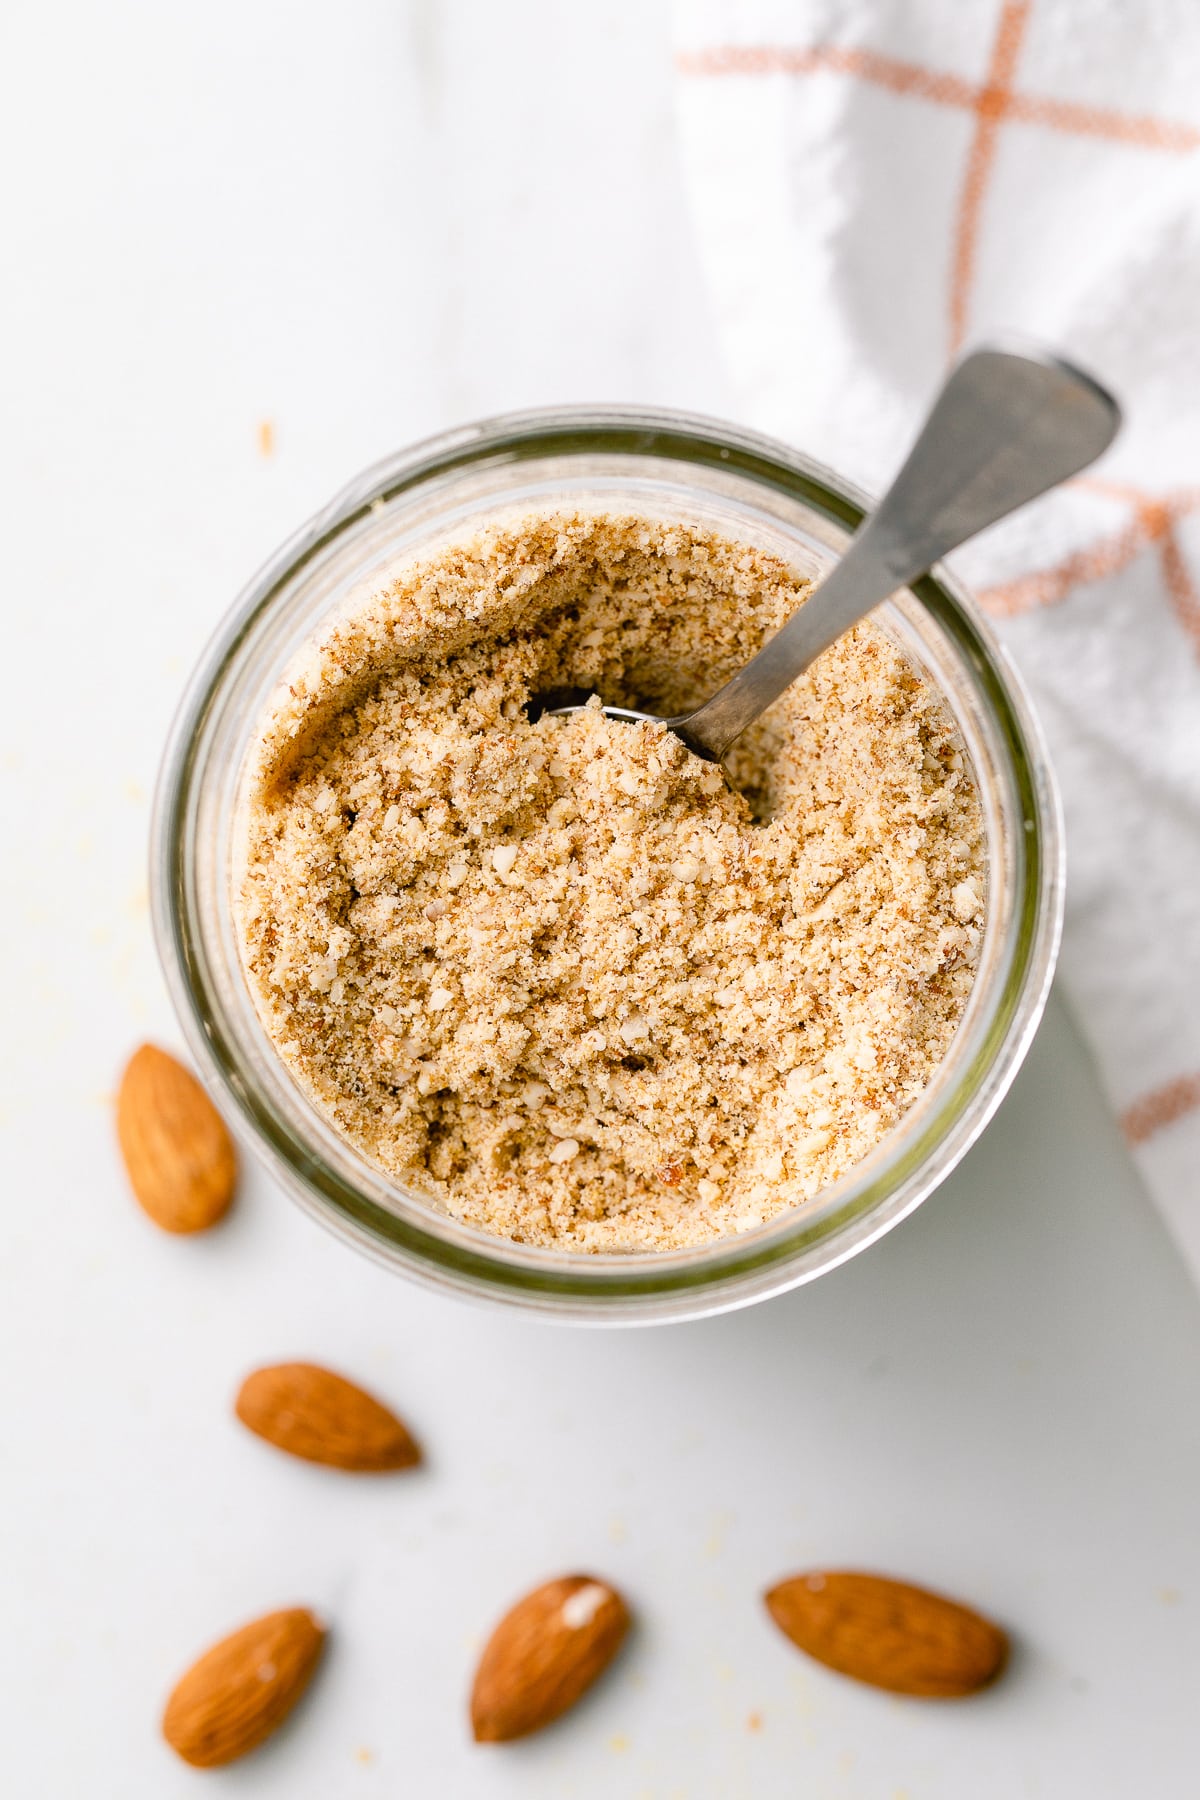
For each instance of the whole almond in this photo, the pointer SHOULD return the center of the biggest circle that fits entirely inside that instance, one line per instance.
(544, 1654)
(178, 1154)
(312, 1413)
(242, 1689)
(889, 1634)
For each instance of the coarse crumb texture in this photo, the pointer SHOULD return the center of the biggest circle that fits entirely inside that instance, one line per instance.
(556, 976)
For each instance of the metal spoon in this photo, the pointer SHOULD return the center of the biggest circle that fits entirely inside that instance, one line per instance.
(1006, 426)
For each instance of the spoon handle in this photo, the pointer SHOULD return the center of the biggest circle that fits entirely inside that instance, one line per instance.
(1006, 426)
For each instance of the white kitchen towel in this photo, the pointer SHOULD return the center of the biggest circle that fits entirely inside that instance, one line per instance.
(879, 183)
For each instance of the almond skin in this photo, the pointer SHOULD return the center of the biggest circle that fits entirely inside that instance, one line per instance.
(889, 1634)
(544, 1654)
(312, 1413)
(177, 1151)
(242, 1689)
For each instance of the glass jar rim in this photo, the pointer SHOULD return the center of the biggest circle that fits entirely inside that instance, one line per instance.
(726, 1272)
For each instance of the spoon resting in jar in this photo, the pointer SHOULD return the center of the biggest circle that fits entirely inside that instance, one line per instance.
(1007, 426)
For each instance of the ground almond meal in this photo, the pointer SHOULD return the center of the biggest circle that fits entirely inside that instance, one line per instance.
(557, 976)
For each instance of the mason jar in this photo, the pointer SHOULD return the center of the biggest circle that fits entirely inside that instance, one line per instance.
(624, 459)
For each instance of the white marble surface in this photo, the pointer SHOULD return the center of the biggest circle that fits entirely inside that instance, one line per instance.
(362, 224)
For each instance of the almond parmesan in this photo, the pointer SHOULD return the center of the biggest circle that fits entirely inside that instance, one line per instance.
(446, 905)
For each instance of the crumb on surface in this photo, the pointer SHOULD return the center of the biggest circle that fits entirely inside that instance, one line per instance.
(559, 978)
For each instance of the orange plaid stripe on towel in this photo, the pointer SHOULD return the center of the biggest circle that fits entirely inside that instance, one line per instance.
(874, 187)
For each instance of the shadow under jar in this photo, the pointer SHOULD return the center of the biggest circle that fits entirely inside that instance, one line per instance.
(615, 460)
